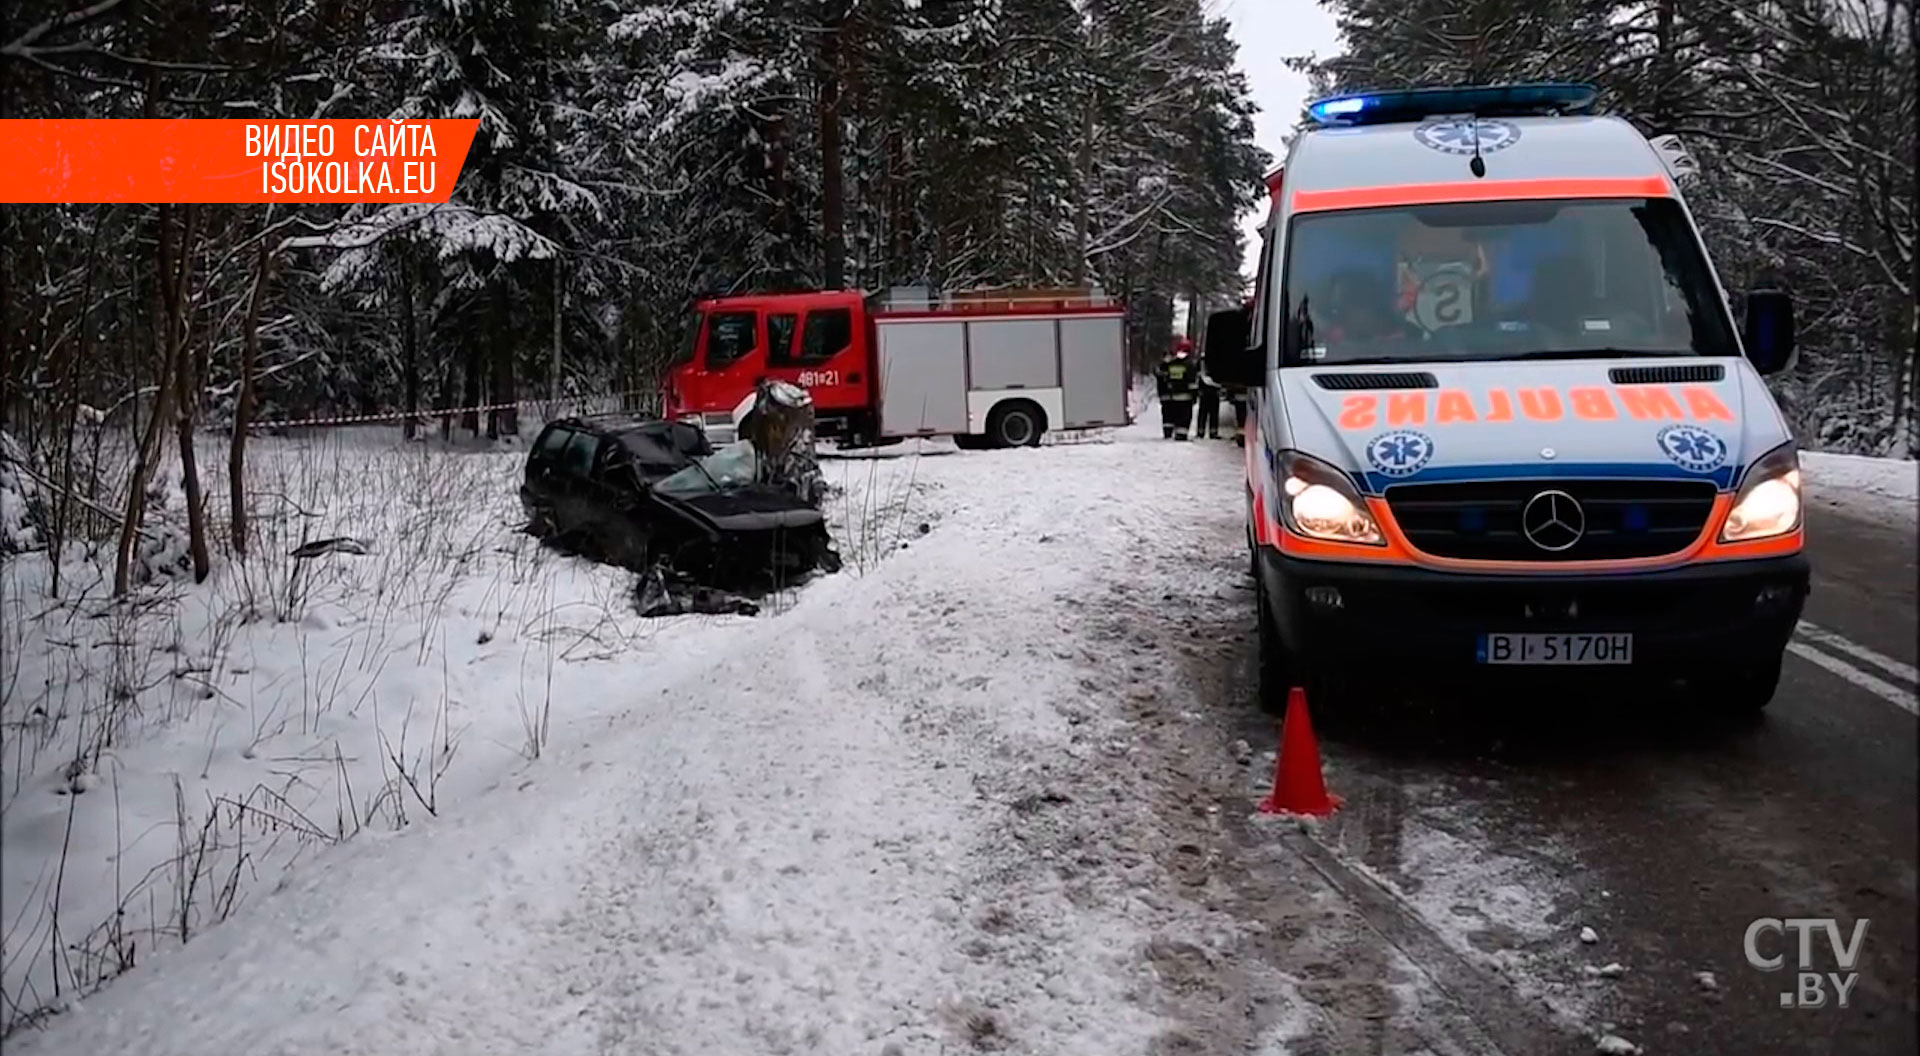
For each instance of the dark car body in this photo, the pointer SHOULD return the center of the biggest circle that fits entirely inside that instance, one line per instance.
(637, 494)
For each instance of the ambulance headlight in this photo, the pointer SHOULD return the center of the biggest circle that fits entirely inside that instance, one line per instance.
(1768, 503)
(1319, 502)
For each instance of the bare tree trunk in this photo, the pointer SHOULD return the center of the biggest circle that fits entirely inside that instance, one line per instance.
(832, 164)
(1083, 209)
(61, 516)
(186, 394)
(146, 457)
(470, 385)
(559, 297)
(777, 135)
(1911, 368)
(504, 420)
(409, 346)
(243, 403)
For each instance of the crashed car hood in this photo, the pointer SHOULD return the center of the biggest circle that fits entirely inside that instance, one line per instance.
(745, 510)
(1692, 418)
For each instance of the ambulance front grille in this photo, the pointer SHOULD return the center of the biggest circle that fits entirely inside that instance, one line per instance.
(1483, 520)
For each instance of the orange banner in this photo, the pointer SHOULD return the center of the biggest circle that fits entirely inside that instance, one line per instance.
(232, 161)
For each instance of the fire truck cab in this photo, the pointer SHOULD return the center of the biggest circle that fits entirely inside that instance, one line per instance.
(998, 368)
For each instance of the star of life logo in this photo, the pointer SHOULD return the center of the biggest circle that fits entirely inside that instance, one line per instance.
(1812, 986)
(1458, 135)
(1401, 453)
(1692, 448)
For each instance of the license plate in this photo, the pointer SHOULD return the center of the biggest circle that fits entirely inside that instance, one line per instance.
(1555, 649)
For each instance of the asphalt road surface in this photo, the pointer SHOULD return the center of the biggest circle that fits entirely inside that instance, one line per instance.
(1667, 834)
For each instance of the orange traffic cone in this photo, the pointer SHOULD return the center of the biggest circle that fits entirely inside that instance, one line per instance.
(1298, 787)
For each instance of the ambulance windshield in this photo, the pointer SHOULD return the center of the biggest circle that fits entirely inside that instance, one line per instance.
(1500, 280)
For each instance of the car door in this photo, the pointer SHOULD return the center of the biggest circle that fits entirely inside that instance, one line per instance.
(544, 482)
(573, 504)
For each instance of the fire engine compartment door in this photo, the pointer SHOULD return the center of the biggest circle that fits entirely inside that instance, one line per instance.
(923, 376)
(1093, 371)
(1012, 354)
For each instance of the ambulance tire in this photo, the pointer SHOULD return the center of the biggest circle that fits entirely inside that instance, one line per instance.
(1743, 691)
(970, 442)
(1270, 659)
(1016, 423)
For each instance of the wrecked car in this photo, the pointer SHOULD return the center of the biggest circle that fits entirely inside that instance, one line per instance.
(658, 498)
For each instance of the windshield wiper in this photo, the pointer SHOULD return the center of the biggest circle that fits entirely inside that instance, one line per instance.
(1368, 361)
(1606, 353)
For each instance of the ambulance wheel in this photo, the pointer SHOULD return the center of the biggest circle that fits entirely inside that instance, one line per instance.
(1016, 423)
(1275, 671)
(969, 442)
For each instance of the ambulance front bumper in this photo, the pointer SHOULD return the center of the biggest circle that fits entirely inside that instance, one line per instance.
(1396, 622)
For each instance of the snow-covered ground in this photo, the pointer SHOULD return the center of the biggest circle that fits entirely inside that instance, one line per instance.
(531, 821)
(452, 795)
(163, 756)
(1886, 490)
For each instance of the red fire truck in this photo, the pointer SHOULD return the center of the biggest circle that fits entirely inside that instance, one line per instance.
(997, 368)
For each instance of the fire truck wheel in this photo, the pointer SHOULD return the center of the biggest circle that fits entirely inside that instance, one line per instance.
(1017, 423)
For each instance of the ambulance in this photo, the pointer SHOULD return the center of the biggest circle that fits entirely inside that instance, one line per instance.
(1508, 426)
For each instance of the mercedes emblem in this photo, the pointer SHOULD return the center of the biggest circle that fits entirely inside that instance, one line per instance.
(1553, 521)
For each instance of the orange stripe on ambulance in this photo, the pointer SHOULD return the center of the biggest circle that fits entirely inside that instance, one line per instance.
(1535, 404)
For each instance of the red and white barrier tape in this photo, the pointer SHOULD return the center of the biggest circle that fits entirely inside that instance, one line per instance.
(440, 412)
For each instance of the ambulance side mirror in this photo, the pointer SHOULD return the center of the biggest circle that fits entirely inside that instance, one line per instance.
(1228, 358)
(1767, 329)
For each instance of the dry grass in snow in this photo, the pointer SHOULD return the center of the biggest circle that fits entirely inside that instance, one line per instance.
(165, 754)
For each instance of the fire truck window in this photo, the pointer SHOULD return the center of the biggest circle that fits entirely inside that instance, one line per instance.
(780, 330)
(829, 332)
(730, 335)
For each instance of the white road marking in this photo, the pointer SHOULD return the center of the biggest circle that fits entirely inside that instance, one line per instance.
(1879, 687)
(1821, 636)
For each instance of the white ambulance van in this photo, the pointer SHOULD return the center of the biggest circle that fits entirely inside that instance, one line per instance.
(1505, 424)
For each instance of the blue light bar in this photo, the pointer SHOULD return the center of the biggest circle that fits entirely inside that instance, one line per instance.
(1504, 100)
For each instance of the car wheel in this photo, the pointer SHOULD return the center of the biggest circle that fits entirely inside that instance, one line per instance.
(1745, 690)
(1016, 424)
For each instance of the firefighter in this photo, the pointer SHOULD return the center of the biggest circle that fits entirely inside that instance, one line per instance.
(1176, 379)
(1208, 425)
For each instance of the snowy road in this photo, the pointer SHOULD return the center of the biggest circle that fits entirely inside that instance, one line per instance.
(988, 794)
(1506, 826)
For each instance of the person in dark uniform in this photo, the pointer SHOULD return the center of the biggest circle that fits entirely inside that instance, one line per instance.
(1238, 394)
(1208, 424)
(1177, 378)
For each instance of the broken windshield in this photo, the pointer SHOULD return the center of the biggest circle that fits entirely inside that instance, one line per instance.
(733, 466)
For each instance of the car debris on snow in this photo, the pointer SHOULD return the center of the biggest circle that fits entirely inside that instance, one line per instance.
(1589, 936)
(319, 547)
(1615, 1045)
(702, 526)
